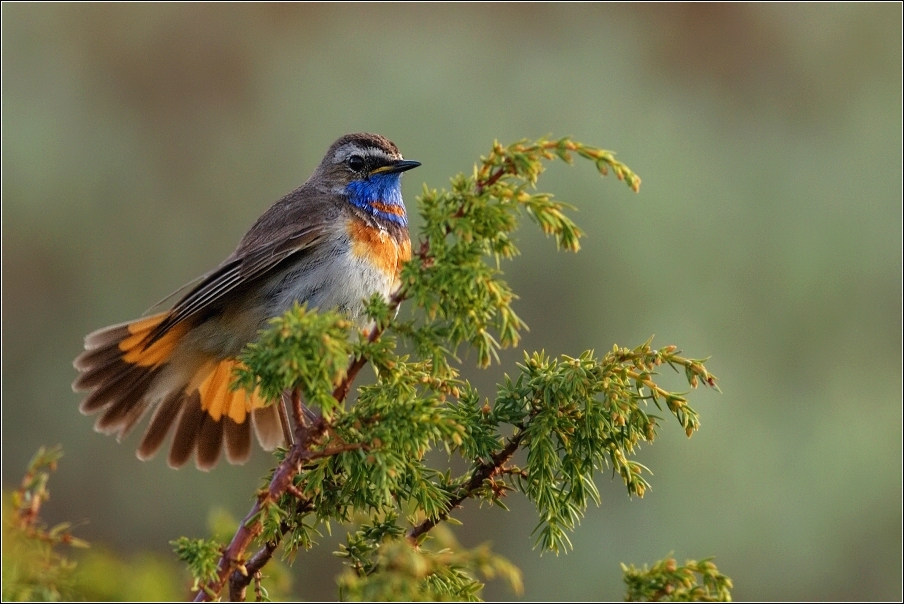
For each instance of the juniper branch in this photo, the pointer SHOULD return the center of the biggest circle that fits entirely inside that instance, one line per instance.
(481, 473)
(239, 581)
(251, 527)
(241, 578)
(573, 416)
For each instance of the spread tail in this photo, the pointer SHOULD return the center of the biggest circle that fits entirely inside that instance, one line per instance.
(130, 369)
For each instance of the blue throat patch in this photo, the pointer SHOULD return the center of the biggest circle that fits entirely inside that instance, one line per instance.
(382, 190)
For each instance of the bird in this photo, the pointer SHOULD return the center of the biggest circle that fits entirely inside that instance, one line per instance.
(332, 243)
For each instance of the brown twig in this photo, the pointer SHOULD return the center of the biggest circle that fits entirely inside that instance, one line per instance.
(481, 473)
(239, 581)
(335, 450)
(493, 178)
(298, 411)
(251, 526)
(230, 566)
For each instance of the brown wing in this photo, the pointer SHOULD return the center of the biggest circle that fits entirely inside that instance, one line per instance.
(242, 267)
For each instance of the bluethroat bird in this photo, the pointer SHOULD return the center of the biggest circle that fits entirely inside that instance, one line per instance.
(333, 242)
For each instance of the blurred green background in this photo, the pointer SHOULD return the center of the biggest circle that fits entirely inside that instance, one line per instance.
(141, 141)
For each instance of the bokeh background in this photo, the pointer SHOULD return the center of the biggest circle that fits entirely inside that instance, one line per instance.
(141, 141)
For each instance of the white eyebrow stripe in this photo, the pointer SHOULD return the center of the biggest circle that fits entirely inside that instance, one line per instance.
(346, 151)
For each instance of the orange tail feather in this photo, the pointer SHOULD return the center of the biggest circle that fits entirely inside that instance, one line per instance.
(128, 369)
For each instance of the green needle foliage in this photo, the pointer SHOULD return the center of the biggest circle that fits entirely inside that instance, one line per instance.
(669, 582)
(201, 556)
(33, 568)
(444, 571)
(363, 464)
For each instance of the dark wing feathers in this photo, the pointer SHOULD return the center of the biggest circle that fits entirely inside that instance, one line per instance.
(241, 268)
(214, 286)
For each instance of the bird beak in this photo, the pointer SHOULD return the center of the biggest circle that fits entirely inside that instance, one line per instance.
(402, 165)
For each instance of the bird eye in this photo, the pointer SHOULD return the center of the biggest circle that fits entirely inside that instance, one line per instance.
(356, 163)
